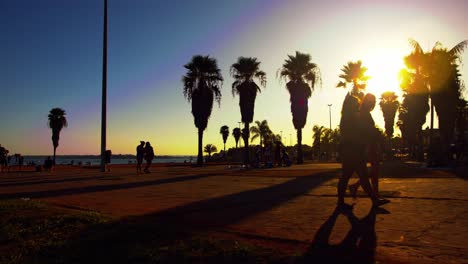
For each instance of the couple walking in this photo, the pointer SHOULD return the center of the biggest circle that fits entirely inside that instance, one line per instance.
(359, 145)
(144, 151)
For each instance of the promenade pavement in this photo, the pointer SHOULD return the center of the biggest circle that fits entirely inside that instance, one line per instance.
(291, 209)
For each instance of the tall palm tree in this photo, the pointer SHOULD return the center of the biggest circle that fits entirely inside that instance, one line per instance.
(210, 148)
(301, 75)
(57, 121)
(262, 131)
(389, 105)
(224, 131)
(445, 86)
(317, 132)
(236, 133)
(354, 73)
(202, 84)
(244, 72)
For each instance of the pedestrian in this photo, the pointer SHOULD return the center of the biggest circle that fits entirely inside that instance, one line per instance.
(372, 142)
(140, 153)
(353, 153)
(149, 156)
(3, 158)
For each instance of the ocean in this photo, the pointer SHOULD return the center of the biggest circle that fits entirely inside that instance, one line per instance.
(96, 160)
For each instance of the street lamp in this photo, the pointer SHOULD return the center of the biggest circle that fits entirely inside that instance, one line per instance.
(104, 92)
(329, 111)
(281, 136)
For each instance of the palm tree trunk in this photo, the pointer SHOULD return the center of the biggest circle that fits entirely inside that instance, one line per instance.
(245, 136)
(55, 148)
(225, 158)
(200, 149)
(299, 147)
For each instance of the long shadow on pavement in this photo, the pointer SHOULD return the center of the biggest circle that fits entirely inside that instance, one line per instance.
(25, 183)
(101, 188)
(118, 240)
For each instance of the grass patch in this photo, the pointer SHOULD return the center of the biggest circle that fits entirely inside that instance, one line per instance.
(33, 232)
(20, 204)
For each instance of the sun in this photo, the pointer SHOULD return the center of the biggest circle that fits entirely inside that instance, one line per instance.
(383, 68)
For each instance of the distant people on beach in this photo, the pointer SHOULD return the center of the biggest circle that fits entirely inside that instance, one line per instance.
(48, 164)
(3, 159)
(285, 160)
(107, 159)
(140, 154)
(149, 156)
(353, 152)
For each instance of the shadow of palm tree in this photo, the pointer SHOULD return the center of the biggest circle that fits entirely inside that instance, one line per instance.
(118, 241)
(101, 188)
(358, 246)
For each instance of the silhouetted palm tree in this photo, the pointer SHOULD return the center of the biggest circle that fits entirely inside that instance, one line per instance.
(236, 133)
(202, 84)
(262, 131)
(57, 121)
(224, 131)
(389, 105)
(244, 72)
(317, 139)
(445, 86)
(210, 148)
(302, 76)
(354, 73)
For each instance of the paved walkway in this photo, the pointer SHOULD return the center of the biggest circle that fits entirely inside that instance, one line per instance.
(289, 208)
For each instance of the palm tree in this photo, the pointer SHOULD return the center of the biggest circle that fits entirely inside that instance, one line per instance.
(389, 105)
(301, 75)
(236, 133)
(445, 86)
(224, 131)
(202, 84)
(354, 73)
(244, 72)
(57, 121)
(262, 131)
(210, 148)
(317, 138)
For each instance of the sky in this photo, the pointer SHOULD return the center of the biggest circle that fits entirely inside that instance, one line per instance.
(51, 56)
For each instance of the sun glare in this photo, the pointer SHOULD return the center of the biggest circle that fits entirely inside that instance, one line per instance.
(383, 70)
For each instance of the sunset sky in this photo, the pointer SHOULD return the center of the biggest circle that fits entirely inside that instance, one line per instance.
(51, 56)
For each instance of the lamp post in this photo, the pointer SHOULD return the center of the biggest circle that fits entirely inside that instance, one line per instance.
(104, 92)
(281, 136)
(329, 112)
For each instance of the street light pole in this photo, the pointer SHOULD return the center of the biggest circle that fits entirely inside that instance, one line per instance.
(329, 112)
(281, 136)
(104, 92)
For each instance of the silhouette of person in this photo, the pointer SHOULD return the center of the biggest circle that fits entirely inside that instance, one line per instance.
(278, 153)
(285, 158)
(140, 154)
(149, 156)
(48, 163)
(371, 134)
(3, 158)
(353, 152)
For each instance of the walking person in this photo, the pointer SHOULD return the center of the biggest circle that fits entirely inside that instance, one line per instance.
(149, 156)
(371, 134)
(353, 153)
(140, 153)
